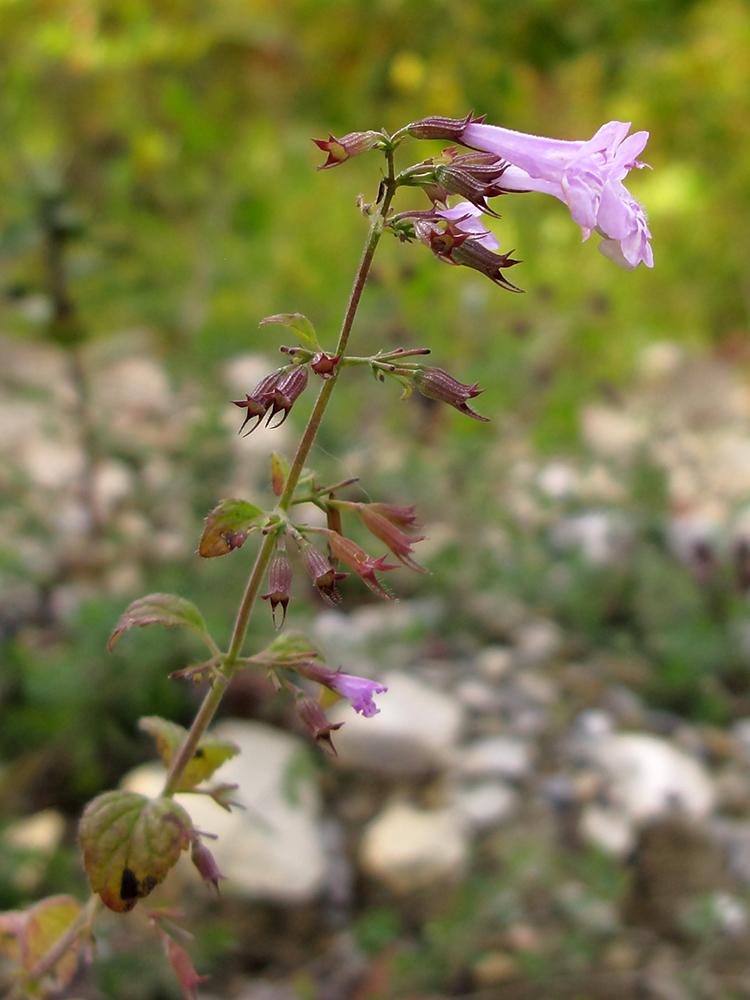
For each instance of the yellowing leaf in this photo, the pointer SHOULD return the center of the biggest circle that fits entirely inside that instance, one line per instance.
(227, 527)
(129, 843)
(209, 756)
(27, 936)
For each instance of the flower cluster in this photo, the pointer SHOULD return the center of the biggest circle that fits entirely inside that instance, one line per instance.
(386, 522)
(587, 175)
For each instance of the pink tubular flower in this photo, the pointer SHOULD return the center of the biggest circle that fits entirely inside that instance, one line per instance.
(358, 690)
(587, 175)
(397, 541)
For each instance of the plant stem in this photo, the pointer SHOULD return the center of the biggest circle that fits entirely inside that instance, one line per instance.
(230, 664)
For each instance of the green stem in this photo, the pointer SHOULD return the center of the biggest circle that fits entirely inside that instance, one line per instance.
(232, 660)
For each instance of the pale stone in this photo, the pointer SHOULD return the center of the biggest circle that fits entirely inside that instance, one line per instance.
(495, 662)
(497, 757)
(415, 731)
(558, 480)
(612, 433)
(602, 537)
(113, 481)
(486, 805)
(52, 464)
(649, 778)
(274, 848)
(607, 828)
(538, 640)
(411, 849)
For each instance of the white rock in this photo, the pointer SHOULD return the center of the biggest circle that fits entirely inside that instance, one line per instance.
(486, 805)
(607, 828)
(538, 640)
(647, 777)
(495, 662)
(415, 731)
(611, 432)
(601, 536)
(52, 464)
(496, 757)
(411, 849)
(273, 849)
(558, 480)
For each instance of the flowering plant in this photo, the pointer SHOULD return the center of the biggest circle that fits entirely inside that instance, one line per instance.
(129, 841)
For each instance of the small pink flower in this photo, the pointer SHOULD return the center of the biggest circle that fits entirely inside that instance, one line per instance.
(358, 690)
(587, 175)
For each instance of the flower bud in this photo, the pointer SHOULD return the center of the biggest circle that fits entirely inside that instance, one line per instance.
(204, 861)
(288, 389)
(324, 576)
(434, 383)
(315, 719)
(436, 127)
(258, 401)
(279, 583)
(324, 365)
(352, 144)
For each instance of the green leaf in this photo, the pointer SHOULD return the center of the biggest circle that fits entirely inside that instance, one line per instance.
(129, 843)
(227, 527)
(162, 609)
(286, 650)
(210, 754)
(297, 322)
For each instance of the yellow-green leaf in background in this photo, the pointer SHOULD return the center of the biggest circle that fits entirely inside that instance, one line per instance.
(210, 755)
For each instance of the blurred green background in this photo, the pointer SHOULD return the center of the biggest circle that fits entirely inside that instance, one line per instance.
(159, 196)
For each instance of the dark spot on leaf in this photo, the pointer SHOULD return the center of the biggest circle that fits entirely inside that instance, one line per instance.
(199, 754)
(149, 884)
(128, 885)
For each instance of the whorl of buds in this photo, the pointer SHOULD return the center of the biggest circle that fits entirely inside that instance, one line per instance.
(436, 127)
(434, 383)
(352, 144)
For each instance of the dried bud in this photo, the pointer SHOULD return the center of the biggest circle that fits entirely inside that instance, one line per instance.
(438, 384)
(288, 389)
(363, 564)
(183, 968)
(258, 401)
(315, 719)
(475, 176)
(397, 541)
(435, 127)
(324, 365)
(402, 517)
(472, 253)
(279, 583)
(352, 144)
(324, 576)
(204, 861)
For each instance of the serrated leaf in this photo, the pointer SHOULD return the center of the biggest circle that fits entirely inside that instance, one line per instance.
(129, 843)
(297, 322)
(227, 527)
(162, 609)
(209, 756)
